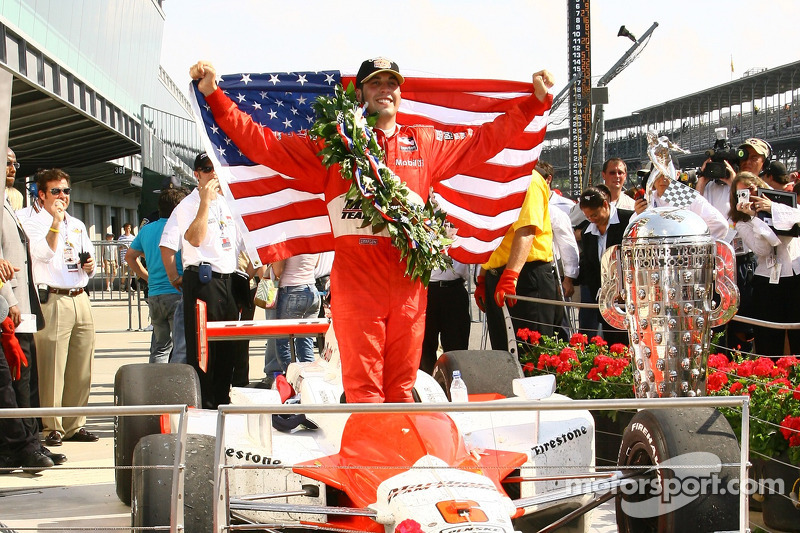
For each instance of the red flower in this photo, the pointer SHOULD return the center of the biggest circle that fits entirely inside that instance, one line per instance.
(617, 348)
(751, 388)
(578, 339)
(765, 368)
(594, 374)
(716, 380)
(782, 381)
(786, 363)
(534, 337)
(528, 367)
(796, 393)
(736, 387)
(719, 361)
(599, 341)
(790, 428)
(523, 334)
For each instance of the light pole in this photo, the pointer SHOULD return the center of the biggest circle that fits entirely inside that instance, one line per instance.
(597, 133)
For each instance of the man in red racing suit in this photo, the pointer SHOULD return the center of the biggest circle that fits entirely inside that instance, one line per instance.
(378, 311)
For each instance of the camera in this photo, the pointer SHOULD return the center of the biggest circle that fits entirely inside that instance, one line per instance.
(83, 257)
(721, 152)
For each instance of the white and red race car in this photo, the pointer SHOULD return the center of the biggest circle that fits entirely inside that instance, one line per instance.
(496, 470)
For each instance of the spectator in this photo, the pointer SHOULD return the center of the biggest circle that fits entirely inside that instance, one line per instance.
(614, 174)
(776, 282)
(109, 255)
(13, 195)
(447, 314)
(62, 265)
(775, 176)
(606, 228)
(381, 337)
(297, 298)
(522, 264)
(163, 298)
(202, 227)
(124, 243)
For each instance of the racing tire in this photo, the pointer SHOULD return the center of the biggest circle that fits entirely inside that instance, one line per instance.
(658, 435)
(152, 488)
(483, 371)
(146, 384)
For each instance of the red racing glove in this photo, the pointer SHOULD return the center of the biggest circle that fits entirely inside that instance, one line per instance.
(13, 351)
(480, 292)
(506, 286)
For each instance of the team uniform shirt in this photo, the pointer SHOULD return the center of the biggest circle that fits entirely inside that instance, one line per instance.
(61, 268)
(222, 243)
(147, 242)
(535, 212)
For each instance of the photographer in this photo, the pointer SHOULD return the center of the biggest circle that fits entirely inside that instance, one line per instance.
(717, 173)
(777, 277)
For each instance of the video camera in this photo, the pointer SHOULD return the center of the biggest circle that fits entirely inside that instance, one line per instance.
(721, 152)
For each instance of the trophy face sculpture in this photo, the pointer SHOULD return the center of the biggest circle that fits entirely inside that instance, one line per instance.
(658, 284)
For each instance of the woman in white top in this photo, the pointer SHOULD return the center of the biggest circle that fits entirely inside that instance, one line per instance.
(776, 283)
(297, 298)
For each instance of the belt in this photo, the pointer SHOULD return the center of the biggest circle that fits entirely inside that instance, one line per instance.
(447, 283)
(217, 275)
(66, 292)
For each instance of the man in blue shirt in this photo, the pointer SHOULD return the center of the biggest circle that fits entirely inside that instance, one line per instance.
(163, 298)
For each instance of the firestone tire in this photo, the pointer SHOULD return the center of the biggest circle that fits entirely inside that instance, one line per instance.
(152, 488)
(146, 384)
(656, 436)
(483, 371)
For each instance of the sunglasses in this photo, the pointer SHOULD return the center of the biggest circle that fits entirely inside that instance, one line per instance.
(14, 164)
(206, 170)
(55, 191)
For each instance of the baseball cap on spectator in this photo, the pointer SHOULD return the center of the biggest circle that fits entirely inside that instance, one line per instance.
(759, 146)
(201, 160)
(777, 171)
(371, 67)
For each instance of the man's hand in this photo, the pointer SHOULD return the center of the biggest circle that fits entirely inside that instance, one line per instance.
(7, 270)
(568, 286)
(209, 191)
(88, 266)
(177, 282)
(59, 211)
(507, 286)
(205, 72)
(640, 206)
(15, 315)
(542, 81)
(480, 292)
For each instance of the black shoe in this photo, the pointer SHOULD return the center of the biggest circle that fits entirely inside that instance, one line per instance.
(83, 436)
(34, 462)
(53, 439)
(57, 458)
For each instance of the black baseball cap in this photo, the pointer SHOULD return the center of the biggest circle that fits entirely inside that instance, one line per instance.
(201, 160)
(370, 67)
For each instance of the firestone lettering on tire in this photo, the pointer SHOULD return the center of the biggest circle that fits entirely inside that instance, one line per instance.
(252, 457)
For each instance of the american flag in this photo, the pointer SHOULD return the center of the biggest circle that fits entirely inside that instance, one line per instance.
(280, 220)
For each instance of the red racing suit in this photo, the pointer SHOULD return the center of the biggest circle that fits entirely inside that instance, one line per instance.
(379, 312)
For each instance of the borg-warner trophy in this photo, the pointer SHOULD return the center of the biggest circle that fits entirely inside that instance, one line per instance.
(658, 284)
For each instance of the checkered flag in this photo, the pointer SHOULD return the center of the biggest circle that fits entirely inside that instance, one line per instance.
(678, 194)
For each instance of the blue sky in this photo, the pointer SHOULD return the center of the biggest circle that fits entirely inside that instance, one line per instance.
(507, 39)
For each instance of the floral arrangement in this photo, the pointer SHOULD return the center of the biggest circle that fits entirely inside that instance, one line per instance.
(584, 368)
(774, 390)
(418, 231)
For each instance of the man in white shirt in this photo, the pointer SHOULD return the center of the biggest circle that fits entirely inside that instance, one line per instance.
(63, 262)
(203, 228)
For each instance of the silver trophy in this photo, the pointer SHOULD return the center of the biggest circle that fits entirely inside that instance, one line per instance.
(658, 285)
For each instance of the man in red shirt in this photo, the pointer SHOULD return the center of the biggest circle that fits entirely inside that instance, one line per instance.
(379, 312)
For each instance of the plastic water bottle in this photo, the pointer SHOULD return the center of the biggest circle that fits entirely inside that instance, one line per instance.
(458, 389)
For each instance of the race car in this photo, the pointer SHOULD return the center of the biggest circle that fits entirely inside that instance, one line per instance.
(490, 471)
